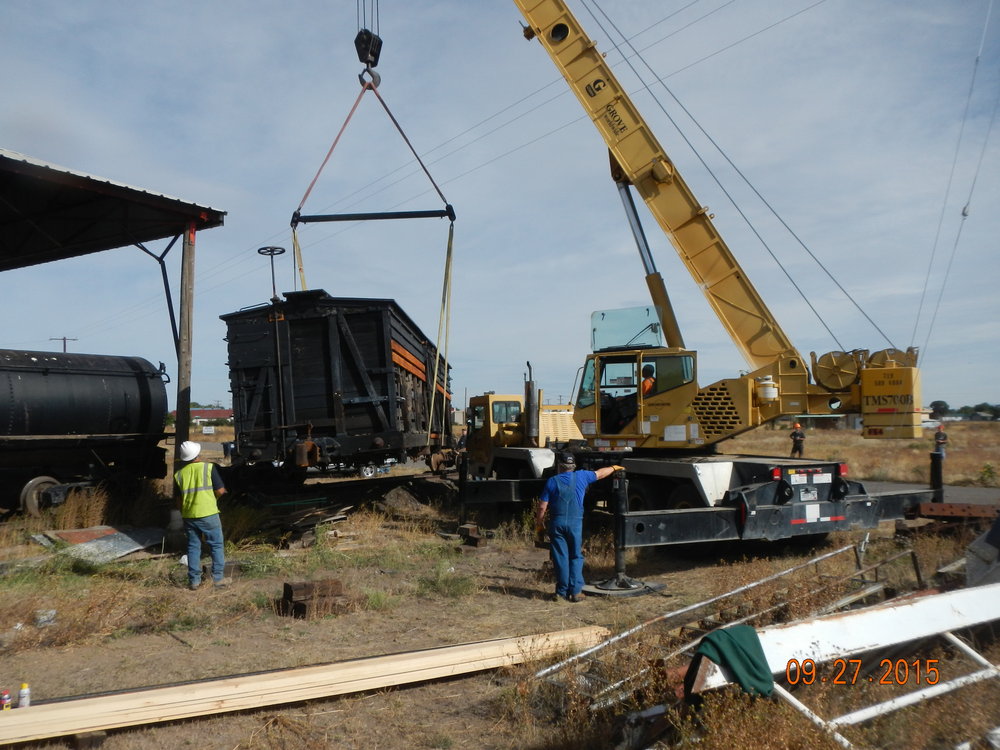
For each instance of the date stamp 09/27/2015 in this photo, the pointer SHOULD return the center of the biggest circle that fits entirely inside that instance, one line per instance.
(850, 672)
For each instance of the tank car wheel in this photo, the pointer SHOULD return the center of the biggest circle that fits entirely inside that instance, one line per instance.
(368, 471)
(31, 494)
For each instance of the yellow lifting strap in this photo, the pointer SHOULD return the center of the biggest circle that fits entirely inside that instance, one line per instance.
(444, 322)
(297, 249)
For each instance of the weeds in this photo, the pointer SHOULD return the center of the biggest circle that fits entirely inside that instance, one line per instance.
(444, 581)
(258, 560)
(987, 476)
(377, 600)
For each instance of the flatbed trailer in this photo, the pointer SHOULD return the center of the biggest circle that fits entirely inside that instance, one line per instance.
(771, 509)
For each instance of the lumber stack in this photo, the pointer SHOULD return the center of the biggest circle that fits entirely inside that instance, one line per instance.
(311, 599)
(256, 691)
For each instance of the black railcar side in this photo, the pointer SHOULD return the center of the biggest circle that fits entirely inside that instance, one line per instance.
(335, 383)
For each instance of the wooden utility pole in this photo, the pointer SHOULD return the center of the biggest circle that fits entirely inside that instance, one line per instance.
(182, 425)
(64, 339)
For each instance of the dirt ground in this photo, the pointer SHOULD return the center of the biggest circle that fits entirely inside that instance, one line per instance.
(511, 597)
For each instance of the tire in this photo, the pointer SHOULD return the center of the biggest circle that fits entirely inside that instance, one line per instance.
(506, 469)
(32, 502)
(685, 496)
(641, 495)
(368, 471)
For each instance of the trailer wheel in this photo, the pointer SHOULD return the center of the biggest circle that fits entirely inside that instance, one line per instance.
(31, 494)
(640, 495)
(685, 496)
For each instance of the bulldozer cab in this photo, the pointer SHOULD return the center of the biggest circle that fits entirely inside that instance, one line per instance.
(495, 420)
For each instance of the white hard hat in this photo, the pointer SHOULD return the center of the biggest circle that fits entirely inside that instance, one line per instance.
(189, 450)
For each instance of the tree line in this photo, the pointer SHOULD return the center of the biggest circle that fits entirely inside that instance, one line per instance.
(983, 411)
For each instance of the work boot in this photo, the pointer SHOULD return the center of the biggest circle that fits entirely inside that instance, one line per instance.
(577, 597)
(222, 583)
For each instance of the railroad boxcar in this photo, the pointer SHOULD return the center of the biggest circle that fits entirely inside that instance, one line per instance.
(77, 419)
(335, 383)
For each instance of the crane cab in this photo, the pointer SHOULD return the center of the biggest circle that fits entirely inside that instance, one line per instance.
(634, 392)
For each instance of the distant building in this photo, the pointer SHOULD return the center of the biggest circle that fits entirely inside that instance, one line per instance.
(202, 416)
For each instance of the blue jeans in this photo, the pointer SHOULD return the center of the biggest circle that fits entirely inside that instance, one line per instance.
(566, 549)
(211, 528)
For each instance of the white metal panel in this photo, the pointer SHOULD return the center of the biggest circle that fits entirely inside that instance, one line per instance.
(840, 635)
(715, 479)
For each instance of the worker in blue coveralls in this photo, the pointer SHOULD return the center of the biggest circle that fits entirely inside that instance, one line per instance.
(564, 493)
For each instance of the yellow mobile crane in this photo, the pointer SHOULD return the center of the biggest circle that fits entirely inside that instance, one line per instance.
(676, 412)
(639, 403)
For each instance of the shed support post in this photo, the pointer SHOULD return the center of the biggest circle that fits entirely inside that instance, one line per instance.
(183, 423)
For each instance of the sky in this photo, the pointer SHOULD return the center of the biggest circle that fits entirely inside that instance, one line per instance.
(865, 125)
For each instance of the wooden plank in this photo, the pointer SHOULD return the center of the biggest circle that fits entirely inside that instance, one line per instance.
(253, 691)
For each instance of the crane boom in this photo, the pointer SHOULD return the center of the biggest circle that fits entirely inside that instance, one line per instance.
(642, 162)
(670, 411)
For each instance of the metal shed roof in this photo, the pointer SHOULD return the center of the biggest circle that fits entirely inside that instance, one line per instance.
(48, 212)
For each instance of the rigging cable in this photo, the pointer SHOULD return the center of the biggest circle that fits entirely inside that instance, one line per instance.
(965, 214)
(562, 92)
(364, 9)
(737, 170)
(295, 232)
(444, 320)
(947, 192)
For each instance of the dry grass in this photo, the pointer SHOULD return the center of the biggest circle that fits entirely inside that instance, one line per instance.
(972, 457)
(98, 601)
(392, 564)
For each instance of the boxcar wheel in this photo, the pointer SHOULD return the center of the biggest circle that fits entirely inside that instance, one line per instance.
(368, 471)
(31, 494)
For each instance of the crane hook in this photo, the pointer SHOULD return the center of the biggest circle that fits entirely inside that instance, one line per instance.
(376, 79)
(368, 46)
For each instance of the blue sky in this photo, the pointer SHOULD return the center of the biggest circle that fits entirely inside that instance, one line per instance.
(846, 116)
